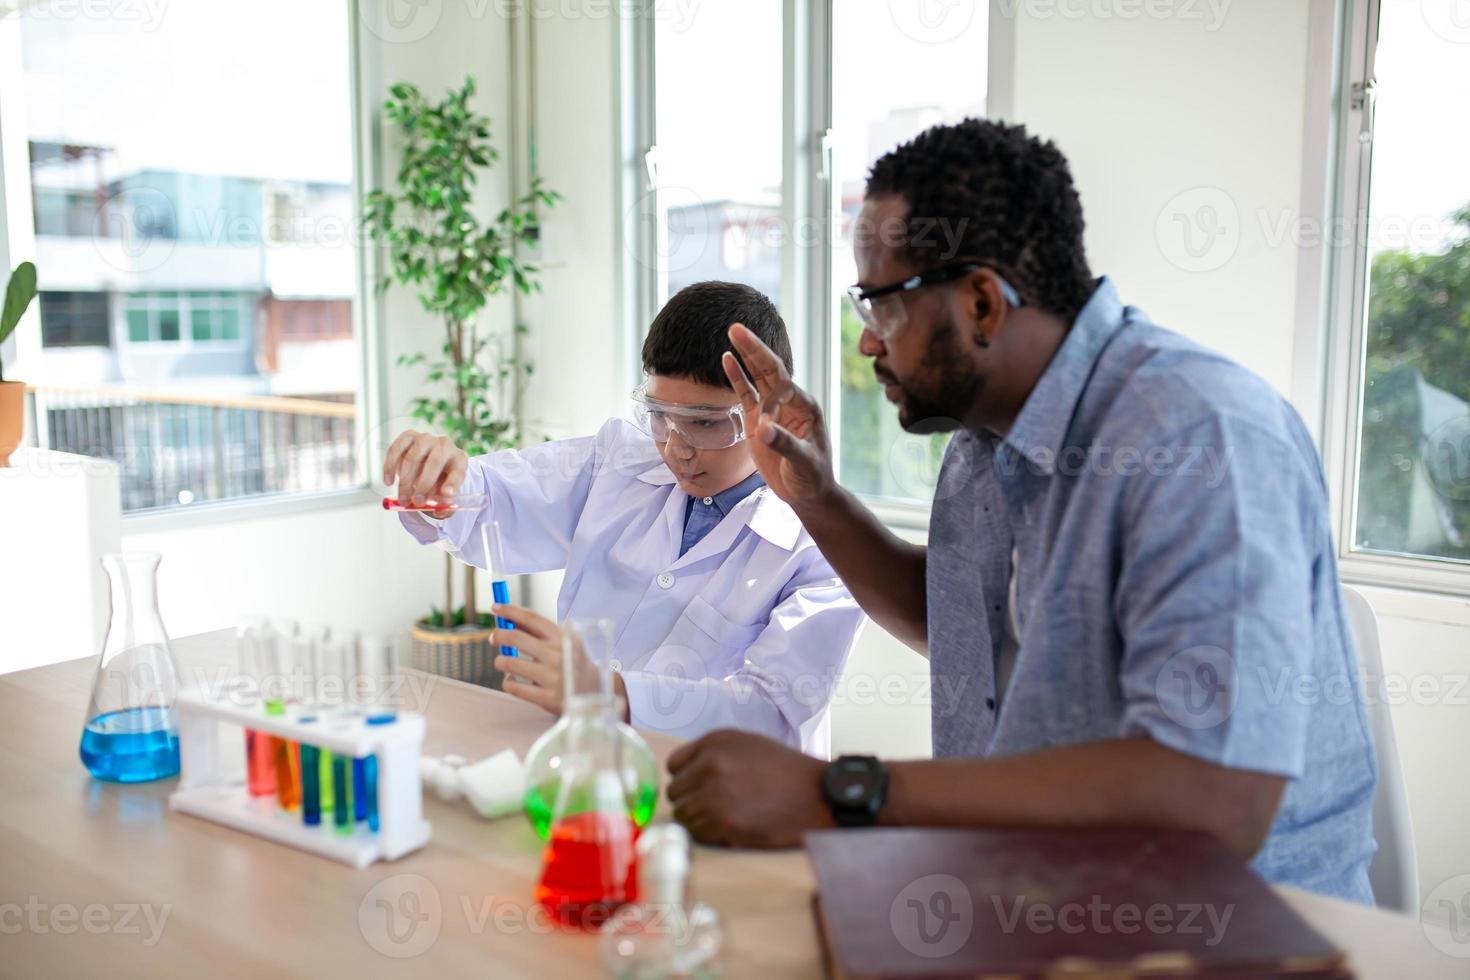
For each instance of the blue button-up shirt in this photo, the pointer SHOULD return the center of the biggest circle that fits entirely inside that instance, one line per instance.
(1176, 579)
(702, 514)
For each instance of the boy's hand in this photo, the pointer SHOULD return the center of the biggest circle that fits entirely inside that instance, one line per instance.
(536, 674)
(787, 435)
(425, 465)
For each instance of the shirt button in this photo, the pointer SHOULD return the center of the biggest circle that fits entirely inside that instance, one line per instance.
(709, 501)
(665, 580)
(616, 664)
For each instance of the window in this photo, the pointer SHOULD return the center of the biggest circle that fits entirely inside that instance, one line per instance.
(1411, 451)
(718, 159)
(878, 103)
(200, 316)
(70, 319)
(197, 189)
(741, 126)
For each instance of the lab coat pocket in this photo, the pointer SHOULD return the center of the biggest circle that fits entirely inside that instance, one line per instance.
(703, 643)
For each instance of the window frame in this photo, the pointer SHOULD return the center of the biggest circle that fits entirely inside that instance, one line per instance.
(809, 301)
(1343, 324)
(17, 240)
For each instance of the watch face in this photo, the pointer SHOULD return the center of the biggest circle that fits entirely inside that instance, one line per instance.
(853, 781)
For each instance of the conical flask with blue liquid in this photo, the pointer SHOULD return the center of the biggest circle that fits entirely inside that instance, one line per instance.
(130, 734)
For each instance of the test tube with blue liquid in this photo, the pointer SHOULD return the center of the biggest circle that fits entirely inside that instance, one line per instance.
(499, 587)
(373, 682)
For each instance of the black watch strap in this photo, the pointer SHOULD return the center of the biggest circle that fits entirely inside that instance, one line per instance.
(855, 787)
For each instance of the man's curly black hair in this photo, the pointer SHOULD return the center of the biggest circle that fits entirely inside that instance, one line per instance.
(986, 191)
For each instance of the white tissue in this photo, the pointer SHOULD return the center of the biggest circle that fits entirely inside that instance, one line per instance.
(495, 786)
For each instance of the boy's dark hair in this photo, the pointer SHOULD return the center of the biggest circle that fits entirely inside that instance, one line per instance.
(691, 333)
(987, 191)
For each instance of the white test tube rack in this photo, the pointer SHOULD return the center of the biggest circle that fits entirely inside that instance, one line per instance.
(206, 791)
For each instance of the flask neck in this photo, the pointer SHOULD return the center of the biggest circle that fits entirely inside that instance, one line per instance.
(589, 707)
(132, 584)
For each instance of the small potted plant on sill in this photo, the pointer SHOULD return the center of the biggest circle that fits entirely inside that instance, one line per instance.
(454, 262)
(18, 295)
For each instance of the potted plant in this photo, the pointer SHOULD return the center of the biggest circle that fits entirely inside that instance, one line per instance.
(18, 295)
(454, 262)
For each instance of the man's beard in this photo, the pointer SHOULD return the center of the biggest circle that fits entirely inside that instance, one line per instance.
(950, 388)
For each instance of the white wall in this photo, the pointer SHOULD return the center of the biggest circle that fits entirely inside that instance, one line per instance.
(1168, 122)
(1426, 656)
(347, 567)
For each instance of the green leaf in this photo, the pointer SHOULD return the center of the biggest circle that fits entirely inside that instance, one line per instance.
(18, 296)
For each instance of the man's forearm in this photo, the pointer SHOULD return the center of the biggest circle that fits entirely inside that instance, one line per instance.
(1119, 783)
(884, 573)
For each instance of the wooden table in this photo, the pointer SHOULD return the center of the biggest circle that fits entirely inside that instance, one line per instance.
(98, 879)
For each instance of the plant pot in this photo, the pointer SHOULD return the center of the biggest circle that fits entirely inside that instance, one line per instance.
(464, 654)
(12, 418)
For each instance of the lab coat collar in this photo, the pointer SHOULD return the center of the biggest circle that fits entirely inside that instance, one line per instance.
(773, 519)
(763, 512)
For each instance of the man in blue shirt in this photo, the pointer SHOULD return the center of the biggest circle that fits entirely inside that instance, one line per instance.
(1129, 592)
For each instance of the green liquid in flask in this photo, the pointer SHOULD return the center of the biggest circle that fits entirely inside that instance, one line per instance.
(539, 807)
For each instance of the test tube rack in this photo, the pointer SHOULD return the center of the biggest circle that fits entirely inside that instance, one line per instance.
(207, 791)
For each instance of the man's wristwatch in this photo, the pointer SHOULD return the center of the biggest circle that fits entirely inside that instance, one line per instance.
(854, 787)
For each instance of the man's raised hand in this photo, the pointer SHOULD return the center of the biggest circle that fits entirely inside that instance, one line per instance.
(784, 424)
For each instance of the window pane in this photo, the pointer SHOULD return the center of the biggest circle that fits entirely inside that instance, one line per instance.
(879, 102)
(70, 319)
(1414, 450)
(161, 156)
(719, 143)
(200, 326)
(138, 331)
(168, 324)
(228, 325)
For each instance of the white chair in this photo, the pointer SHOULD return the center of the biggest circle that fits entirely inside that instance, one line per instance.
(1394, 872)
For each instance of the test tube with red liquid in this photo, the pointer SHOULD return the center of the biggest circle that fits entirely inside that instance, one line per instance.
(432, 505)
(251, 640)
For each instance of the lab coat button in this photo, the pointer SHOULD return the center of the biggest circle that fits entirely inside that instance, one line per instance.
(616, 665)
(665, 580)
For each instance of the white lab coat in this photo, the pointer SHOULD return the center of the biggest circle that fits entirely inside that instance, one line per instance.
(750, 629)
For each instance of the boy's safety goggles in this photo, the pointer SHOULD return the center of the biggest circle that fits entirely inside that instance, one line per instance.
(701, 426)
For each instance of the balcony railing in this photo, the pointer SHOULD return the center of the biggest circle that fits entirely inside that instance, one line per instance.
(174, 449)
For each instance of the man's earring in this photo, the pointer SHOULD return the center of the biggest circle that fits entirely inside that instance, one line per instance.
(982, 341)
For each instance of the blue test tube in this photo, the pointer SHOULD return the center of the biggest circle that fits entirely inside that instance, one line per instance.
(499, 588)
(359, 788)
(370, 771)
(341, 794)
(370, 789)
(311, 799)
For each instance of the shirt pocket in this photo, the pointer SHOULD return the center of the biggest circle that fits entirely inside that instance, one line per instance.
(703, 643)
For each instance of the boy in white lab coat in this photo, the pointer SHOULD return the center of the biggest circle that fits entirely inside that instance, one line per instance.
(725, 614)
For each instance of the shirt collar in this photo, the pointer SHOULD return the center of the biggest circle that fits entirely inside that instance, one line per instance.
(726, 500)
(1042, 425)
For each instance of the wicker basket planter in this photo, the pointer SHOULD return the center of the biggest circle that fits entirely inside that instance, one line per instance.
(464, 654)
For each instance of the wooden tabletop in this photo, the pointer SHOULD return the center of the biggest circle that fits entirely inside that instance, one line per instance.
(99, 879)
